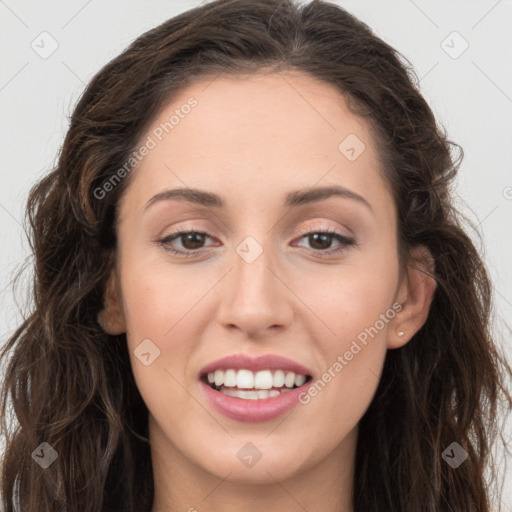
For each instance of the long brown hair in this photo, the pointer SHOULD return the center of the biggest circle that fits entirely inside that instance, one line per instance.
(70, 384)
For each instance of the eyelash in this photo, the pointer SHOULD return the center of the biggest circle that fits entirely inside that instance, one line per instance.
(345, 242)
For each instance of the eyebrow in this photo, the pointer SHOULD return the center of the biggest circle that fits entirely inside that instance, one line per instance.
(293, 199)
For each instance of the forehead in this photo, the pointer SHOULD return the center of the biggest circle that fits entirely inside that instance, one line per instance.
(262, 135)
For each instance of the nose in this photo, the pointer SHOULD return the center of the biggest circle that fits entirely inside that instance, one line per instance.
(255, 299)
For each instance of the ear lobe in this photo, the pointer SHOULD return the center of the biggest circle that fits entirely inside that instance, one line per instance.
(415, 295)
(111, 317)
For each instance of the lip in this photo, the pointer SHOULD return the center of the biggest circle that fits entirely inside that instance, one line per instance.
(252, 411)
(264, 409)
(265, 362)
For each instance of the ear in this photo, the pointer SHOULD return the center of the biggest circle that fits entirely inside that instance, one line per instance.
(111, 317)
(415, 294)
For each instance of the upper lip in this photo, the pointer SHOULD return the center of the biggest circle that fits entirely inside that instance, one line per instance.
(265, 362)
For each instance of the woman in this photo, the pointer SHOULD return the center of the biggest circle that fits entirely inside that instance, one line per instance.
(252, 290)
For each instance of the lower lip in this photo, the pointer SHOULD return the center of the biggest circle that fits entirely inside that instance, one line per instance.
(263, 409)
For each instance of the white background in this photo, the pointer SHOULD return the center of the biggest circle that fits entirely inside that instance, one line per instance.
(471, 96)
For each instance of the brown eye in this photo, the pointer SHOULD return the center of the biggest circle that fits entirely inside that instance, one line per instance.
(191, 242)
(320, 241)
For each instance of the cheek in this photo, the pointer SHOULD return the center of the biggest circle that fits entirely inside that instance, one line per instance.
(158, 306)
(355, 309)
(162, 320)
(351, 297)
(158, 297)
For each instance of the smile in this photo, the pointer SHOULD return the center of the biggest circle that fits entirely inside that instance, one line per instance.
(249, 389)
(250, 385)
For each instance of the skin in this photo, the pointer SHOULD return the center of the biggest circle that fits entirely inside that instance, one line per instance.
(283, 132)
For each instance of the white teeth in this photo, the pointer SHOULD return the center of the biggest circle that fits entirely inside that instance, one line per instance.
(289, 380)
(230, 378)
(299, 380)
(252, 394)
(248, 395)
(278, 380)
(261, 380)
(244, 379)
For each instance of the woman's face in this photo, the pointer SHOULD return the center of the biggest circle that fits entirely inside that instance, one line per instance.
(262, 281)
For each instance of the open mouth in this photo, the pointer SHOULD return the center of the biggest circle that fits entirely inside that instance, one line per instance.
(249, 385)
